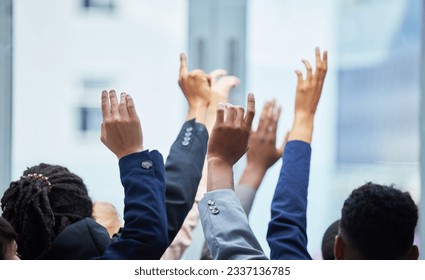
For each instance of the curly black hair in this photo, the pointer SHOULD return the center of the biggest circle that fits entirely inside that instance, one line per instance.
(39, 205)
(328, 241)
(7, 236)
(379, 222)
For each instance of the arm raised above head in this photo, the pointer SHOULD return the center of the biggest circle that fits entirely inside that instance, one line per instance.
(287, 235)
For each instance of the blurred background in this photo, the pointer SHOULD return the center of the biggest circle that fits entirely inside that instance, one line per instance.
(57, 56)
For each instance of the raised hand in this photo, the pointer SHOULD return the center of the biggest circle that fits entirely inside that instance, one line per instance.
(262, 152)
(196, 87)
(308, 95)
(221, 84)
(229, 137)
(121, 131)
(228, 142)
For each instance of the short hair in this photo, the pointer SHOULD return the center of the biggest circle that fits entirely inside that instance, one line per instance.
(328, 241)
(379, 222)
(45, 200)
(7, 236)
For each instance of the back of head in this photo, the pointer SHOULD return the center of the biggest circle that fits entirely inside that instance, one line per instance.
(7, 236)
(39, 205)
(107, 215)
(378, 222)
(328, 241)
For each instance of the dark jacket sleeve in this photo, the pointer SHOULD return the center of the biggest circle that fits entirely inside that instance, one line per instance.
(183, 171)
(286, 235)
(144, 235)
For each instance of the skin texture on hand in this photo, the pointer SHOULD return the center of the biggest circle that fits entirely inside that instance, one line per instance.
(121, 131)
(196, 87)
(228, 142)
(307, 98)
(262, 152)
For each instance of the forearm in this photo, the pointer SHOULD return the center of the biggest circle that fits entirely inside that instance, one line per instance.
(184, 237)
(252, 176)
(226, 227)
(302, 128)
(183, 171)
(287, 229)
(144, 235)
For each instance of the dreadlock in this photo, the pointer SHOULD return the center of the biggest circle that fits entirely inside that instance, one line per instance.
(39, 205)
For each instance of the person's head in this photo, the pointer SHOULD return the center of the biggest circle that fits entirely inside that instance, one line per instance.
(7, 241)
(328, 241)
(377, 222)
(39, 205)
(107, 215)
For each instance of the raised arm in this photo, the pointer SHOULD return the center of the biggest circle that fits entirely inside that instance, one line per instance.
(144, 235)
(183, 169)
(261, 155)
(225, 224)
(286, 235)
(221, 84)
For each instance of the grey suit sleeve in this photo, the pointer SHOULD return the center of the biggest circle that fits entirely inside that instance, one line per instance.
(226, 228)
(183, 171)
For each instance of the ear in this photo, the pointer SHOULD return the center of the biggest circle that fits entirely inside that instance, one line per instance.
(339, 248)
(414, 253)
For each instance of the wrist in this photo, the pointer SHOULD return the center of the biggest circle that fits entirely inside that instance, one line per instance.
(252, 176)
(302, 129)
(220, 175)
(122, 154)
(197, 112)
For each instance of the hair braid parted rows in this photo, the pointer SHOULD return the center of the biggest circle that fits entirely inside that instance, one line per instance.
(40, 207)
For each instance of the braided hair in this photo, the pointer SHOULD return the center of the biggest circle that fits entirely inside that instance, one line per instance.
(39, 205)
(7, 236)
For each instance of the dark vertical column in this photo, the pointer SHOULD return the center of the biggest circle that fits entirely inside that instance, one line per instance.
(217, 39)
(5, 92)
(422, 143)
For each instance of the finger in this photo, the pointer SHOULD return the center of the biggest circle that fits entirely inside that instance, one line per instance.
(229, 82)
(318, 58)
(250, 111)
(231, 113)
(325, 60)
(183, 65)
(299, 76)
(114, 103)
(131, 108)
(220, 114)
(240, 112)
(106, 107)
(217, 74)
(275, 117)
(309, 69)
(123, 105)
(263, 123)
(270, 111)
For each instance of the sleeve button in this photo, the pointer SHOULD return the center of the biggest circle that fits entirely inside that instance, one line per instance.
(147, 164)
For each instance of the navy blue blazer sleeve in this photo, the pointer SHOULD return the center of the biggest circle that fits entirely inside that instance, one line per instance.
(286, 234)
(144, 235)
(183, 171)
